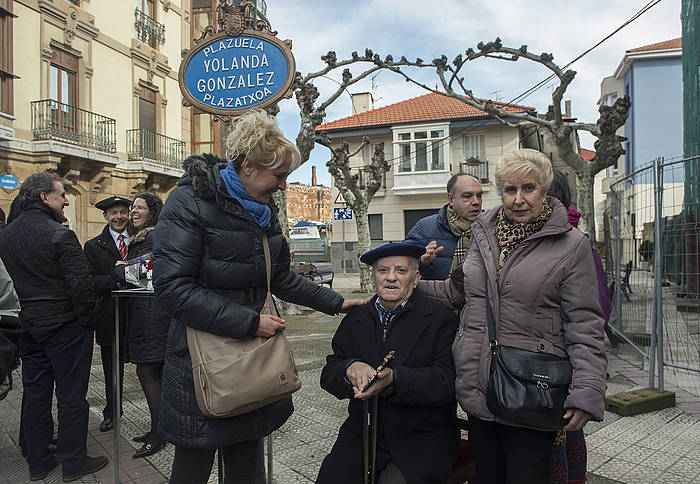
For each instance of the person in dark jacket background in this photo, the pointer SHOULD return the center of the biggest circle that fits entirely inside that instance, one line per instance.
(417, 437)
(570, 453)
(147, 323)
(209, 273)
(102, 253)
(446, 235)
(56, 292)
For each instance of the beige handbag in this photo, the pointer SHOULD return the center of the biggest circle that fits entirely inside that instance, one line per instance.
(236, 376)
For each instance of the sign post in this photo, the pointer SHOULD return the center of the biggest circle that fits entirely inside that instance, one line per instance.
(342, 212)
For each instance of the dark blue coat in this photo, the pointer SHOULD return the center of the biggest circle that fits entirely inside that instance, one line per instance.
(417, 415)
(435, 227)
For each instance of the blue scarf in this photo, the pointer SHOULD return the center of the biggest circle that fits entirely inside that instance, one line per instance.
(260, 212)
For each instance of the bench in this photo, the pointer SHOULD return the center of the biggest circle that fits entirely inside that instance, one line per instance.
(321, 274)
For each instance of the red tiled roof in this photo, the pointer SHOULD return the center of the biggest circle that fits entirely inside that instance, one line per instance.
(588, 155)
(665, 45)
(428, 107)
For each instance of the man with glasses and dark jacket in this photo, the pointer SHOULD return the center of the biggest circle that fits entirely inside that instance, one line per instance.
(56, 293)
(102, 253)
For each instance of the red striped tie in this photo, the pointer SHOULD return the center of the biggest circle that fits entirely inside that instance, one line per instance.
(123, 251)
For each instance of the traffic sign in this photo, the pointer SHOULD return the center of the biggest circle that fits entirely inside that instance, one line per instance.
(342, 213)
(340, 200)
(9, 182)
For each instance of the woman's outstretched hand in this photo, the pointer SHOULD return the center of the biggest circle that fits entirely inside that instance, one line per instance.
(269, 325)
(348, 304)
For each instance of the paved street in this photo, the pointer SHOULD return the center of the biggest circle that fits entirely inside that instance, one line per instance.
(658, 447)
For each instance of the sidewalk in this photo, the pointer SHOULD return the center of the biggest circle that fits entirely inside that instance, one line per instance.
(659, 447)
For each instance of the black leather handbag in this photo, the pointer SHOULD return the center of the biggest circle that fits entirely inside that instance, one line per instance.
(526, 387)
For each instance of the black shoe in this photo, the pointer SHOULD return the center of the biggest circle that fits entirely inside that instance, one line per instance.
(90, 466)
(107, 424)
(150, 447)
(37, 476)
(140, 438)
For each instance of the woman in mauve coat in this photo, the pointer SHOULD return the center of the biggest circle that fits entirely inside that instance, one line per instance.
(543, 291)
(210, 275)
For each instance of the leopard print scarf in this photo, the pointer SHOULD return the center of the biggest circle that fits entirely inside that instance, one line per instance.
(510, 234)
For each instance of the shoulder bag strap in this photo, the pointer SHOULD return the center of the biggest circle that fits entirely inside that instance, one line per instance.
(490, 320)
(269, 305)
(268, 263)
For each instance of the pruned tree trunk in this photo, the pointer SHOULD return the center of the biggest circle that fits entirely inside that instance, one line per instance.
(357, 198)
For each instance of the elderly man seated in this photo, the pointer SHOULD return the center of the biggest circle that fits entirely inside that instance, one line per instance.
(417, 437)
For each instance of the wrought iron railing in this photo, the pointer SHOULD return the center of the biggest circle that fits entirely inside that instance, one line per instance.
(142, 144)
(478, 169)
(52, 120)
(148, 30)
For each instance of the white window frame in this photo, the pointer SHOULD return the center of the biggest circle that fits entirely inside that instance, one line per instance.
(444, 141)
(468, 152)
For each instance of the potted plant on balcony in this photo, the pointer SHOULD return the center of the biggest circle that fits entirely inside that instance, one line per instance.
(472, 161)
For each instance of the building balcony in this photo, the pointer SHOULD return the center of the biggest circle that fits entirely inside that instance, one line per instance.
(56, 121)
(145, 145)
(421, 183)
(148, 30)
(476, 168)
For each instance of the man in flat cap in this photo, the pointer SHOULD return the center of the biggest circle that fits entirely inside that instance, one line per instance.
(102, 253)
(417, 436)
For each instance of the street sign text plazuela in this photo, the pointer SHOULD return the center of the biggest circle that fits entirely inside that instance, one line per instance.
(228, 74)
(236, 72)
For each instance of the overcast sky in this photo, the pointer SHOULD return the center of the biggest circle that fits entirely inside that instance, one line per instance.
(429, 29)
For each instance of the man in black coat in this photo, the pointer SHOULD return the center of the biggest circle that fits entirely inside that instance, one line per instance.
(102, 253)
(417, 436)
(55, 290)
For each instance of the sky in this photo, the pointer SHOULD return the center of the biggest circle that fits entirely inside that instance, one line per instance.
(416, 28)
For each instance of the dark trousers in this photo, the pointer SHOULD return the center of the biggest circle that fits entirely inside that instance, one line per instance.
(193, 466)
(510, 455)
(64, 360)
(107, 370)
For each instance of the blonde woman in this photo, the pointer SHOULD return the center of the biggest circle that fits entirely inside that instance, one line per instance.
(209, 273)
(542, 287)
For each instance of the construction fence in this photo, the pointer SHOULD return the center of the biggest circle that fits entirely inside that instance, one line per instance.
(652, 249)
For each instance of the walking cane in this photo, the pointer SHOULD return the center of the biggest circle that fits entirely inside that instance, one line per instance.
(370, 412)
(369, 438)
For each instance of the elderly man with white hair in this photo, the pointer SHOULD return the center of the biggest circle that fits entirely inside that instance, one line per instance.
(416, 431)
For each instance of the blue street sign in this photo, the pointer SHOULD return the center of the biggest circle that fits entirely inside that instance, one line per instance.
(342, 213)
(9, 182)
(234, 74)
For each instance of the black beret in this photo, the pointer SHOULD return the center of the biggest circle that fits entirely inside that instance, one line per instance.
(112, 201)
(394, 248)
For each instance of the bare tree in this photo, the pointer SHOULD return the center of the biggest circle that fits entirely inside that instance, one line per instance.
(312, 112)
(358, 195)
(608, 145)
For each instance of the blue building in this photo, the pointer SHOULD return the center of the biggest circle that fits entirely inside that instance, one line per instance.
(652, 76)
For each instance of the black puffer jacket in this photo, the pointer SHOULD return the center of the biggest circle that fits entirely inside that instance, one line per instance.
(49, 269)
(209, 273)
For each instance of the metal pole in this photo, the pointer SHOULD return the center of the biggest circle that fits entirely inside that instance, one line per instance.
(618, 259)
(269, 459)
(117, 397)
(658, 267)
(345, 266)
(654, 317)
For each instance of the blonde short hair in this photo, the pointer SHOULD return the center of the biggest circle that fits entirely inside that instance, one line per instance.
(256, 137)
(522, 161)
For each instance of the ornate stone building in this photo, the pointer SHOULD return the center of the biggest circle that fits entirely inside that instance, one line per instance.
(88, 89)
